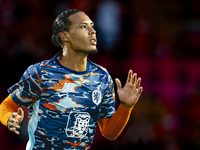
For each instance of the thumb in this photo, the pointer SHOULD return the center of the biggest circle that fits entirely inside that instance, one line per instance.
(118, 83)
(20, 112)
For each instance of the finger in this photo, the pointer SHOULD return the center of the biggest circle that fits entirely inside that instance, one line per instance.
(20, 115)
(13, 124)
(9, 124)
(134, 78)
(11, 120)
(14, 130)
(20, 112)
(129, 76)
(118, 83)
(138, 83)
(140, 90)
(14, 115)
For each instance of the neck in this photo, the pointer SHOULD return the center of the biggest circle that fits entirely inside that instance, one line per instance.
(73, 60)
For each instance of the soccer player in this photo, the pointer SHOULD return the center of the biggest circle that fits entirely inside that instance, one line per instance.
(69, 95)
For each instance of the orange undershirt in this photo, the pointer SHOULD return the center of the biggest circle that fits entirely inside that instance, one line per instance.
(110, 127)
(7, 107)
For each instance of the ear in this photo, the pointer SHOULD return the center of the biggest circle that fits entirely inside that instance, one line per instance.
(64, 36)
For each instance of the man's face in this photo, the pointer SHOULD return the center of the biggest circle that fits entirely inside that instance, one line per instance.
(82, 36)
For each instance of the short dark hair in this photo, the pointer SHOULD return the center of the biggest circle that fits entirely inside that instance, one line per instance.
(60, 24)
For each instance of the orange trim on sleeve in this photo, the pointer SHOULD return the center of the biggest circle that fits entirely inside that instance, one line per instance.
(112, 127)
(7, 107)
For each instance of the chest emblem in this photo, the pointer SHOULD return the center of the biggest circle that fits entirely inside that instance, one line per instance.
(96, 97)
(78, 124)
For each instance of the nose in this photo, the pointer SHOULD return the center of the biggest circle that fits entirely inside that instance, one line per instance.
(92, 31)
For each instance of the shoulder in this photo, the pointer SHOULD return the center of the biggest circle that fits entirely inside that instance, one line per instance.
(45, 63)
(33, 70)
(37, 66)
(98, 68)
(95, 68)
(30, 72)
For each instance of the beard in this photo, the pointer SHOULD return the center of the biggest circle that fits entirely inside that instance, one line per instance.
(93, 51)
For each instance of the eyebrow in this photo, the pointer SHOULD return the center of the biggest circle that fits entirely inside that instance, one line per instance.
(86, 23)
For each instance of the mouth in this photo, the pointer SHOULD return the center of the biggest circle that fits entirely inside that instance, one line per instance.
(93, 41)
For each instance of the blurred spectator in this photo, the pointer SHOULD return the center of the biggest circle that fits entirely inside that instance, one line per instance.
(108, 24)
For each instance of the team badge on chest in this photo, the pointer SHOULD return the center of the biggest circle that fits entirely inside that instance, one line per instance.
(96, 97)
(77, 124)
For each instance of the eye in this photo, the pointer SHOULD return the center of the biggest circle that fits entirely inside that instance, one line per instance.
(83, 26)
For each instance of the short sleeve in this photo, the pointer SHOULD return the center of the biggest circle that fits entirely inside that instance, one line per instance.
(108, 104)
(28, 89)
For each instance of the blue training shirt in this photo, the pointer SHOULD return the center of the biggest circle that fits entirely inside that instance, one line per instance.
(64, 105)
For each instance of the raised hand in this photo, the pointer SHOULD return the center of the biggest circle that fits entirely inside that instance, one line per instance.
(15, 120)
(131, 92)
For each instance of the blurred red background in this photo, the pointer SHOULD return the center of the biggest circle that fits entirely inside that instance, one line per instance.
(159, 40)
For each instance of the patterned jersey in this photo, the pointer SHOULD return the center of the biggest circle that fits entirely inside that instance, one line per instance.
(64, 105)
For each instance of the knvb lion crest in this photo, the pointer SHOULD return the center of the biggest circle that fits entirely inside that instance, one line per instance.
(77, 125)
(96, 97)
